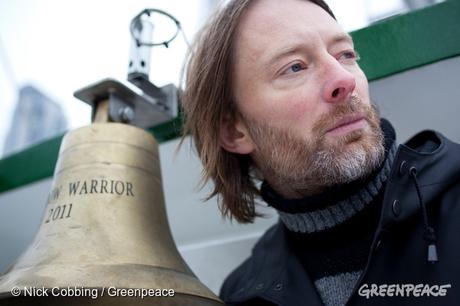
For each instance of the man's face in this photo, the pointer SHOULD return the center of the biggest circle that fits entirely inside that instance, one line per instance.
(302, 96)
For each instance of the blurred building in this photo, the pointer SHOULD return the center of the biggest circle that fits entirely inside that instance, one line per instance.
(36, 117)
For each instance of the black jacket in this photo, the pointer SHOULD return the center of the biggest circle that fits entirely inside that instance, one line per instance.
(399, 252)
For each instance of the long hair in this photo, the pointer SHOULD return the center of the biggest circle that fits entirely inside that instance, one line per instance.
(207, 99)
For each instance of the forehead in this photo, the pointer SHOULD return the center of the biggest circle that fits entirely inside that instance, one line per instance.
(271, 24)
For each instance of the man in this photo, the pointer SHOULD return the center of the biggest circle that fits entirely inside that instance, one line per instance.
(274, 94)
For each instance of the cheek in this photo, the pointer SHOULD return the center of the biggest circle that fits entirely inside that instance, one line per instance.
(298, 110)
(286, 109)
(293, 111)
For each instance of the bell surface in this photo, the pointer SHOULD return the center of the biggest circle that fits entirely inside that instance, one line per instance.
(105, 229)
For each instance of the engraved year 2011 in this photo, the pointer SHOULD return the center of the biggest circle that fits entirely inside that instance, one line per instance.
(59, 212)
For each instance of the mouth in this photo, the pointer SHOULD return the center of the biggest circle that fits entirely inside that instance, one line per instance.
(348, 123)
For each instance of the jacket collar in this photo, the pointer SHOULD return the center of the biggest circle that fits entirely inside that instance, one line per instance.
(431, 154)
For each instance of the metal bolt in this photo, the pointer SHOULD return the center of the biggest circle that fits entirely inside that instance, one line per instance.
(126, 114)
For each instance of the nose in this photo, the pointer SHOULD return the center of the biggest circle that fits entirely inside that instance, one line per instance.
(339, 85)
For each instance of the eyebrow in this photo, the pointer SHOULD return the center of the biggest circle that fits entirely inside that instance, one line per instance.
(342, 37)
(283, 52)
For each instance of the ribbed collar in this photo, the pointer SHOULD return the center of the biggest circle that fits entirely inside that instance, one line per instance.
(338, 203)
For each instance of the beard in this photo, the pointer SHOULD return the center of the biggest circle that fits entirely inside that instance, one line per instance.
(308, 166)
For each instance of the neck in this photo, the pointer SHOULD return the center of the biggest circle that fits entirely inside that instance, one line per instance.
(287, 188)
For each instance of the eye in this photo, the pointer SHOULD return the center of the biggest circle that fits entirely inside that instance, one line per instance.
(294, 68)
(349, 55)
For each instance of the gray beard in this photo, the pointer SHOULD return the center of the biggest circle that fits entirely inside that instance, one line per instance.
(294, 167)
(326, 168)
(331, 168)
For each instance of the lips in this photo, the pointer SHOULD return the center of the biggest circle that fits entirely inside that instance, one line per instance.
(346, 121)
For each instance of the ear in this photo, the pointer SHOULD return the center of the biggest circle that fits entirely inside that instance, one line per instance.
(234, 136)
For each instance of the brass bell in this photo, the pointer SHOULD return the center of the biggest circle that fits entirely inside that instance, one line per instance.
(105, 229)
